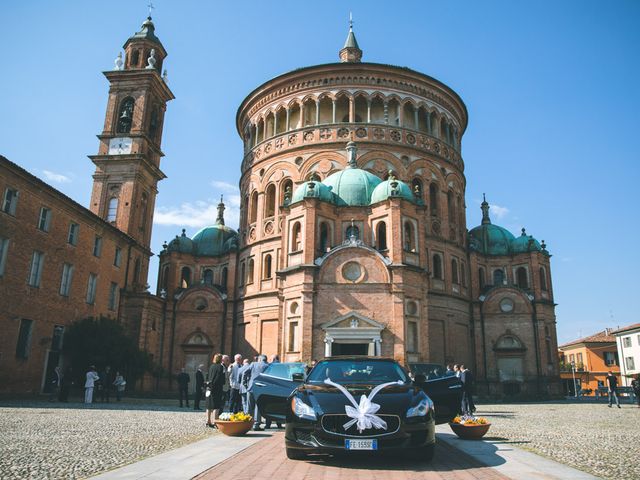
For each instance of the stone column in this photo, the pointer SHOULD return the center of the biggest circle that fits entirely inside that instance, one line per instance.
(352, 110)
(386, 112)
(368, 110)
(327, 345)
(317, 112)
(333, 104)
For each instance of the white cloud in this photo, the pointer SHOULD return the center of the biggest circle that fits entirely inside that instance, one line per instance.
(56, 177)
(198, 214)
(224, 186)
(498, 212)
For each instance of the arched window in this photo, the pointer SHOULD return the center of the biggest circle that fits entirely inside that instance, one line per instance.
(286, 192)
(409, 116)
(521, 277)
(250, 271)
(323, 244)
(296, 240)
(498, 277)
(416, 186)
(377, 110)
(352, 231)
(433, 198)
(253, 208)
(482, 281)
(309, 112)
(269, 123)
(266, 271)
(451, 208)
(342, 109)
(207, 278)
(381, 235)
(409, 240)
(270, 205)
(185, 277)
(393, 110)
(242, 273)
(444, 130)
(454, 271)
(360, 106)
(437, 267)
(125, 115)
(164, 279)
(112, 210)
(543, 280)
(135, 58)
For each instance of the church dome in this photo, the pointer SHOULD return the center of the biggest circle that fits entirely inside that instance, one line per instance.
(491, 239)
(181, 243)
(525, 243)
(352, 186)
(385, 190)
(214, 240)
(313, 190)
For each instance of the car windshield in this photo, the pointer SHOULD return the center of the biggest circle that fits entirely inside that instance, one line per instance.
(357, 371)
(429, 370)
(284, 370)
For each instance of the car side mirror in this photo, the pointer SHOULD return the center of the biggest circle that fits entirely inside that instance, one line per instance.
(297, 377)
(420, 378)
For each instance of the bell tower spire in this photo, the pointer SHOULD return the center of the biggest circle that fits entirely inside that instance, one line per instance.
(351, 52)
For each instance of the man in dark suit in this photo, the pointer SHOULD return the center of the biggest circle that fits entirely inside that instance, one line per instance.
(466, 377)
(183, 386)
(199, 387)
(612, 388)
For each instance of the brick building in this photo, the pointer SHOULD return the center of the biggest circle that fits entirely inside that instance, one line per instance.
(353, 234)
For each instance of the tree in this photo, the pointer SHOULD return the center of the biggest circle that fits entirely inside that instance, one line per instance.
(103, 342)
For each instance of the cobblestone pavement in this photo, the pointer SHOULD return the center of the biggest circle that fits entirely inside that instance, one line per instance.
(39, 441)
(588, 436)
(267, 460)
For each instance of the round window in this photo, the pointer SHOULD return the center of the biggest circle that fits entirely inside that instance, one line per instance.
(294, 308)
(352, 271)
(412, 308)
(506, 305)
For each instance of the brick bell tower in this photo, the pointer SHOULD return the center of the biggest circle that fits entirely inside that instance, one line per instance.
(128, 159)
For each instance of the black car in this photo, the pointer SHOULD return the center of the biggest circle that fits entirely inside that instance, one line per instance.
(444, 388)
(346, 404)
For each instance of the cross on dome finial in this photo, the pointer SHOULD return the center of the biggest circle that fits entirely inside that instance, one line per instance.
(151, 7)
(350, 21)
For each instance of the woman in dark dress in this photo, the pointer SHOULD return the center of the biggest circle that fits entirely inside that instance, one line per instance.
(215, 384)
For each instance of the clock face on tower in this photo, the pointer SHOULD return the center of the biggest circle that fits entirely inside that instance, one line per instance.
(120, 145)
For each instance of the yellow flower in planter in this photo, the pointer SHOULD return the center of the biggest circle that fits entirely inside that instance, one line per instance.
(240, 417)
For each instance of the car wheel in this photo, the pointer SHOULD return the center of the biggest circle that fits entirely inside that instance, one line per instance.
(426, 453)
(295, 454)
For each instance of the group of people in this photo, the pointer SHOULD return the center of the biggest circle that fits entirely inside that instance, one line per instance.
(105, 382)
(227, 382)
(465, 375)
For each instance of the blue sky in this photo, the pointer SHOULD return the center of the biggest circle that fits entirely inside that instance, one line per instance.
(551, 88)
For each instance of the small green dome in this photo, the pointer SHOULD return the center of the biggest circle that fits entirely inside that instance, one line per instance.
(385, 190)
(525, 243)
(214, 240)
(313, 190)
(490, 239)
(352, 186)
(181, 243)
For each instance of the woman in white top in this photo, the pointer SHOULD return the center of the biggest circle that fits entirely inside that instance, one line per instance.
(92, 377)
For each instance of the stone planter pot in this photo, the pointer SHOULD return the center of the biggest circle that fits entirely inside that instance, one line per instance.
(234, 429)
(470, 432)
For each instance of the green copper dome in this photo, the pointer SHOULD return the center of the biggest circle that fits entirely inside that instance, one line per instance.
(352, 186)
(525, 243)
(491, 240)
(212, 241)
(181, 243)
(313, 190)
(385, 190)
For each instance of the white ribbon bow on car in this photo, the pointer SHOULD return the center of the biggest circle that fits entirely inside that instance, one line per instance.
(364, 413)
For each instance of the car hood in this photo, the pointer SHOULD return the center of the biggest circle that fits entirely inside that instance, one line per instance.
(393, 400)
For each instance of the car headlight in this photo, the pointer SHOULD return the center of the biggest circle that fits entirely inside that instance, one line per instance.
(302, 410)
(421, 409)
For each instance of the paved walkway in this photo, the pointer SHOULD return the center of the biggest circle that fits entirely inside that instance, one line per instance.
(186, 462)
(267, 460)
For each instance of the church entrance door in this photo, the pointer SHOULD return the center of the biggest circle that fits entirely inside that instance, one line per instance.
(350, 349)
(192, 360)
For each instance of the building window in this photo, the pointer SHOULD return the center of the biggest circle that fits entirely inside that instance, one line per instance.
(112, 209)
(292, 344)
(97, 246)
(113, 296)
(630, 363)
(207, 278)
(409, 240)
(266, 274)
(324, 245)
(4, 251)
(498, 277)
(626, 342)
(74, 230)
(296, 241)
(65, 281)
(433, 199)
(185, 277)
(250, 271)
(382, 236)
(223, 280)
(253, 209)
(451, 209)
(117, 257)
(454, 271)
(481, 278)
(10, 201)
(35, 271)
(521, 277)
(24, 339)
(579, 358)
(412, 336)
(352, 231)
(270, 207)
(543, 280)
(610, 358)
(164, 279)
(44, 220)
(437, 267)
(125, 115)
(91, 288)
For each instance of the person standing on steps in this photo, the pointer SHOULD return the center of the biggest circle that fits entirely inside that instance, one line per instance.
(612, 388)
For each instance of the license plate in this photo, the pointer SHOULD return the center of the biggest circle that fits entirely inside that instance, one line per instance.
(369, 444)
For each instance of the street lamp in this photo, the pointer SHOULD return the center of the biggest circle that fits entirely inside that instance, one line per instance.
(573, 373)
